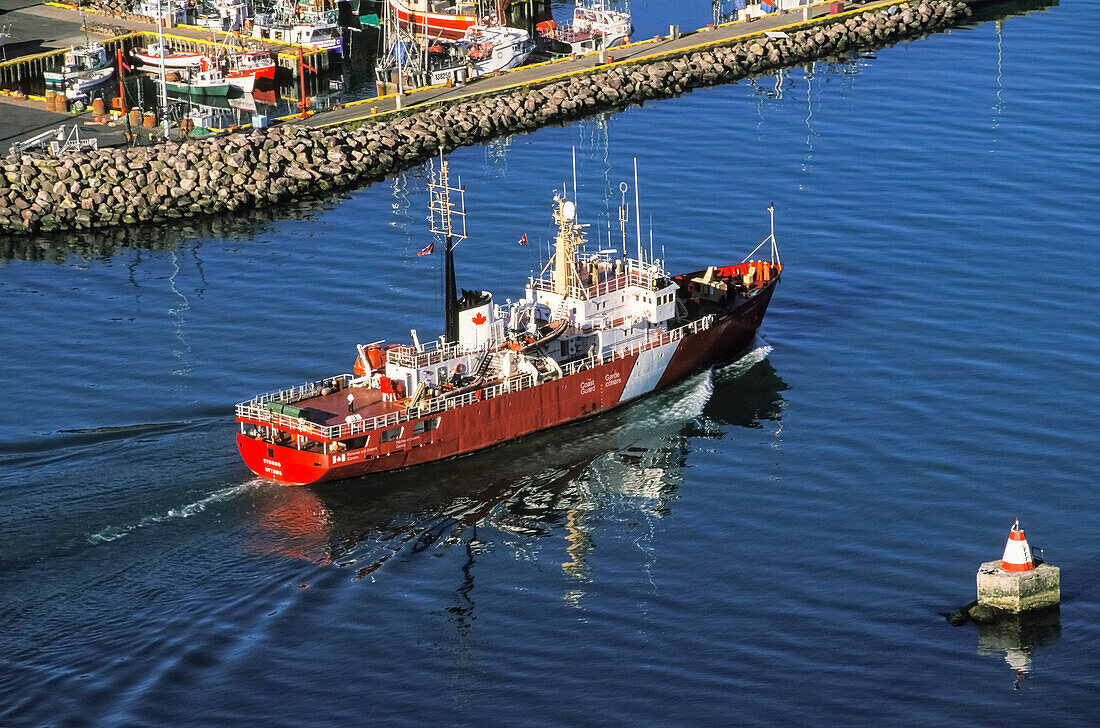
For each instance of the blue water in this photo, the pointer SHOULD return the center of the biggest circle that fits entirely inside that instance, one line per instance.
(770, 543)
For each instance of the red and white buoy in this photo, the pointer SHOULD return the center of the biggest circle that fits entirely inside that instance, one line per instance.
(1017, 553)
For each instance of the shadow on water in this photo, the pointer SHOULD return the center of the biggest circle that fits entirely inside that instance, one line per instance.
(1010, 8)
(525, 490)
(244, 226)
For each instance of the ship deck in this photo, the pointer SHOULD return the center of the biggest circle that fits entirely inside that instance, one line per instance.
(333, 409)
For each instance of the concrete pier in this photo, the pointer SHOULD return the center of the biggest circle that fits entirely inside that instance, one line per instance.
(1018, 591)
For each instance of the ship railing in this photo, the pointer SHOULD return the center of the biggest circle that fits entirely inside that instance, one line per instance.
(253, 413)
(650, 279)
(449, 402)
(432, 352)
(655, 339)
(580, 365)
(299, 392)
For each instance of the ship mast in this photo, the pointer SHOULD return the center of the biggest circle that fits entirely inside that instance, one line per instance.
(569, 237)
(442, 210)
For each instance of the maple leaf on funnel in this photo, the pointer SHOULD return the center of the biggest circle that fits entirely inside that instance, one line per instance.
(479, 319)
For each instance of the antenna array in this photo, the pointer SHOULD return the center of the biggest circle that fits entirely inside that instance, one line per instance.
(442, 208)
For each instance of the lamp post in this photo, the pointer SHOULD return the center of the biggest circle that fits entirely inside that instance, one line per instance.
(163, 74)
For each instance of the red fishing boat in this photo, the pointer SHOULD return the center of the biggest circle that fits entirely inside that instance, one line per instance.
(450, 19)
(594, 331)
(245, 67)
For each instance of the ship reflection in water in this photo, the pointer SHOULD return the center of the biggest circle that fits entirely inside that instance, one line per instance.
(1016, 639)
(538, 493)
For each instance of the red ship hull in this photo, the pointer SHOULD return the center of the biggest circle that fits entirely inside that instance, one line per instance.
(436, 25)
(491, 422)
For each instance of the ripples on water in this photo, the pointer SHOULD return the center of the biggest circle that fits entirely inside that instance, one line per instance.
(771, 542)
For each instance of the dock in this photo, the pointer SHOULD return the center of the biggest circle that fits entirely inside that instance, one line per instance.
(640, 51)
(49, 29)
(361, 143)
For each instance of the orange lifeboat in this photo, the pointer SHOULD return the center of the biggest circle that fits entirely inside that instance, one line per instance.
(375, 356)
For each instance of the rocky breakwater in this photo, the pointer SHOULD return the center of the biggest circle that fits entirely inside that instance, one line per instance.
(112, 187)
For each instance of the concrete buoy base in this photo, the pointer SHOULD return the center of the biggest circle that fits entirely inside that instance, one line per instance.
(1018, 591)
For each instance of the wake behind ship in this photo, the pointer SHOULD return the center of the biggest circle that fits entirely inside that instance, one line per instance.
(592, 332)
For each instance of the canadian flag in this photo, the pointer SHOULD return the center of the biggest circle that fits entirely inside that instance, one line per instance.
(427, 250)
(523, 239)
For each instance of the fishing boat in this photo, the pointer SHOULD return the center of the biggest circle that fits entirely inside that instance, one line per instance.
(446, 19)
(83, 69)
(593, 331)
(202, 80)
(244, 68)
(482, 50)
(595, 26)
(495, 48)
(156, 55)
(298, 25)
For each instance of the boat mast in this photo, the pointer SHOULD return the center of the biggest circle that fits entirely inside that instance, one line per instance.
(570, 236)
(442, 210)
(623, 216)
(775, 246)
(163, 74)
(637, 211)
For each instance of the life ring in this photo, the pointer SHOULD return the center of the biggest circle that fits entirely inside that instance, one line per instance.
(459, 368)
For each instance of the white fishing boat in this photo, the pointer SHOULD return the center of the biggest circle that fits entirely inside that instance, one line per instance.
(223, 14)
(84, 68)
(295, 25)
(595, 26)
(495, 48)
(481, 51)
(156, 55)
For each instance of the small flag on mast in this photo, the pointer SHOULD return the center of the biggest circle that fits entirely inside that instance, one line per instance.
(427, 251)
(523, 239)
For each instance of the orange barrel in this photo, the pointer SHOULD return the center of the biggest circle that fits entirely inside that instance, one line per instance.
(135, 116)
(51, 100)
(150, 121)
(767, 271)
(98, 107)
(61, 103)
